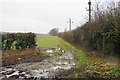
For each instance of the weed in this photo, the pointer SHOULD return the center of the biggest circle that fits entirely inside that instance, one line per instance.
(80, 74)
(45, 53)
(70, 75)
(34, 68)
(116, 70)
(69, 62)
(62, 70)
(76, 75)
(37, 66)
(41, 73)
(57, 53)
(77, 53)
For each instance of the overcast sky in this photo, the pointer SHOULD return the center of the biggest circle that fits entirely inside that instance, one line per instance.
(42, 15)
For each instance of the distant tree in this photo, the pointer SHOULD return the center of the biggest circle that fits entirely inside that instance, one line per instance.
(53, 32)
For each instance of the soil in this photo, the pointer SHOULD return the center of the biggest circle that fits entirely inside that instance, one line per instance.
(12, 57)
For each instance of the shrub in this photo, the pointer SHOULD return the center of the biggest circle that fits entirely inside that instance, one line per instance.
(20, 40)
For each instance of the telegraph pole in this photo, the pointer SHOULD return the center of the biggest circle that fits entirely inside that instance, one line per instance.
(89, 3)
(118, 9)
(70, 23)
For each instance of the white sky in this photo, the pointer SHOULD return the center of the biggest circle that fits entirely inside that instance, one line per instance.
(42, 15)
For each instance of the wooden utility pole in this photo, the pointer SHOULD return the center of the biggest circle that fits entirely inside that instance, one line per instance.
(118, 9)
(89, 3)
(70, 23)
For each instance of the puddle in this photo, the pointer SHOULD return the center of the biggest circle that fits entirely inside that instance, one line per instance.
(68, 58)
(13, 74)
(47, 68)
(49, 51)
(60, 67)
(62, 63)
(52, 50)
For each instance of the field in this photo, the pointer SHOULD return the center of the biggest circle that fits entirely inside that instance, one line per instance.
(47, 41)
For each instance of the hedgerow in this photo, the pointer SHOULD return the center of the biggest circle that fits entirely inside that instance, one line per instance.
(102, 33)
(18, 40)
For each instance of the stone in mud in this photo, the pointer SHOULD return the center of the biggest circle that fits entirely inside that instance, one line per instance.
(23, 73)
(50, 55)
(21, 77)
(19, 58)
(27, 76)
(63, 51)
(59, 49)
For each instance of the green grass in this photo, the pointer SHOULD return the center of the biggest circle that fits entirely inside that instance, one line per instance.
(76, 53)
(45, 53)
(34, 68)
(47, 41)
(90, 66)
(58, 53)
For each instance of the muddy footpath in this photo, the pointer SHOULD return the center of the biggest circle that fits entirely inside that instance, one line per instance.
(47, 68)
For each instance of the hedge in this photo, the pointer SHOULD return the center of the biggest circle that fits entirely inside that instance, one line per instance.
(18, 40)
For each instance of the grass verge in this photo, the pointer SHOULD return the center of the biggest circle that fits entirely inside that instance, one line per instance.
(90, 66)
(78, 54)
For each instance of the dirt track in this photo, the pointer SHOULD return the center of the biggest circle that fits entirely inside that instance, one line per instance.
(47, 68)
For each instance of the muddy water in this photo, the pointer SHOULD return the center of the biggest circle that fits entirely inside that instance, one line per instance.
(47, 68)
